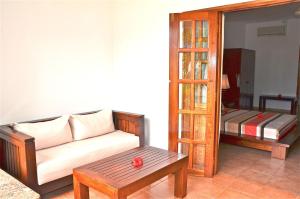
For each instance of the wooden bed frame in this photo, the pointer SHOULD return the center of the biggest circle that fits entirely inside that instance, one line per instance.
(18, 155)
(278, 149)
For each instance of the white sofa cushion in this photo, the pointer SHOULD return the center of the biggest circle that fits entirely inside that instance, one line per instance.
(59, 161)
(49, 133)
(91, 125)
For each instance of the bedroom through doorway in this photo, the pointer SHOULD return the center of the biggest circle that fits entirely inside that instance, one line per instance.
(259, 126)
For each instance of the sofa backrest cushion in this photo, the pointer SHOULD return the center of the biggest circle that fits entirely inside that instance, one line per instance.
(91, 125)
(49, 133)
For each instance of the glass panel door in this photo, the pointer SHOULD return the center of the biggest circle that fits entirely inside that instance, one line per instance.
(193, 46)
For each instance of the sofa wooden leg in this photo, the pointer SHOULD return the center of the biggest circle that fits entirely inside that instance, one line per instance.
(279, 152)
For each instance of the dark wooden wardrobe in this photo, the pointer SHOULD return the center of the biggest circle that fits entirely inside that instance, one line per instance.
(239, 65)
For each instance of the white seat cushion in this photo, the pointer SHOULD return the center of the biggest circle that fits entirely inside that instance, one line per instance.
(59, 161)
(47, 134)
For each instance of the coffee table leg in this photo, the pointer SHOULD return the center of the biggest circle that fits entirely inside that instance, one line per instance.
(181, 181)
(80, 190)
(118, 195)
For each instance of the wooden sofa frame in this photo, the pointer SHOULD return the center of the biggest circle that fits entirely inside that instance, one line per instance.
(18, 154)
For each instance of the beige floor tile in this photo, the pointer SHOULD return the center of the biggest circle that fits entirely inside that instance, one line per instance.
(141, 195)
(268, 192)
(246, 187)
(231, 194)
(285, 183)
(255, 176)
(206, 189)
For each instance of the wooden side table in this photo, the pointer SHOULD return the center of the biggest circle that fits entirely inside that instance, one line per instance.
(117, 178)
(292, 100)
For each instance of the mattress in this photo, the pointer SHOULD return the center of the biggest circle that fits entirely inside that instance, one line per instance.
(280, 126)
(229, 114)
(259, 124)
(233, 125)
(255, 125)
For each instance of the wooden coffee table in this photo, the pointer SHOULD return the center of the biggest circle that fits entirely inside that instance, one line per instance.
(117, 178)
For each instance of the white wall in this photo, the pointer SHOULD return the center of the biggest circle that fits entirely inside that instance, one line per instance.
(276, 65)
(70, 56)
(234, 34)
(141, 59)
(57, 57)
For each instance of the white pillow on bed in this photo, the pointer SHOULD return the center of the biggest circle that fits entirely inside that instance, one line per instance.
(47, 134)
(91, 125)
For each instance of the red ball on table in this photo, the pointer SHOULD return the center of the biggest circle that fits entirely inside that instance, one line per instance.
(137, 162)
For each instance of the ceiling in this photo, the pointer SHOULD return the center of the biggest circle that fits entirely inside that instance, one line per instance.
(274, 13)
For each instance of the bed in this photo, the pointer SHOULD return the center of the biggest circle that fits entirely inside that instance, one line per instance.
(269, 131)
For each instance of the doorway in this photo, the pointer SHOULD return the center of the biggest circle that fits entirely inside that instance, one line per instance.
(183, 122)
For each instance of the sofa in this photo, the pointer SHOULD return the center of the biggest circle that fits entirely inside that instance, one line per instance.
(42, 153)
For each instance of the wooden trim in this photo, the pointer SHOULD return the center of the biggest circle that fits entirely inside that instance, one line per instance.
(196, 172)
(245, 6)
(192, 50)
(54, 185)
(213, 18)
(173, 88)
(298, 82)
(7, 133)
(130, 123)
(28, 164)
(193, 16)
(2, 154)
(218, 89)
(188, 81)
(248, 141)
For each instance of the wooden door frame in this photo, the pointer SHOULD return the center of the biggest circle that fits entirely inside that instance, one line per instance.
(221, 10)
(298, 83)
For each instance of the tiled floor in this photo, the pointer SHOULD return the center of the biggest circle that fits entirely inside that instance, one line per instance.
(243, 174)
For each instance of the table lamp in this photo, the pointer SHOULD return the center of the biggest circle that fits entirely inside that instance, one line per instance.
(225, 85)
(225, 82)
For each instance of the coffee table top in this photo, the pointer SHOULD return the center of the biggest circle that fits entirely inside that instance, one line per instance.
(117, 170)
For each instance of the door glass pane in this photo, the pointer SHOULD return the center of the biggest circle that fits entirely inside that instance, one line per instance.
(185, 65)
(200, 127)
(201, 66)
(184, 126)
(202, 34)
(185, 34)
(185, 96)
(198, 156)
(183, 148)
(200, 96)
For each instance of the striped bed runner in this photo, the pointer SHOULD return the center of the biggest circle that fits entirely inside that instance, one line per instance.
(233, 125)
(230, 114)
(254, 123)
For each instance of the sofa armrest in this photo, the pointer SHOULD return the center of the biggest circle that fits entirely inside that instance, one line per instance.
(17, 155)
(130, 123)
